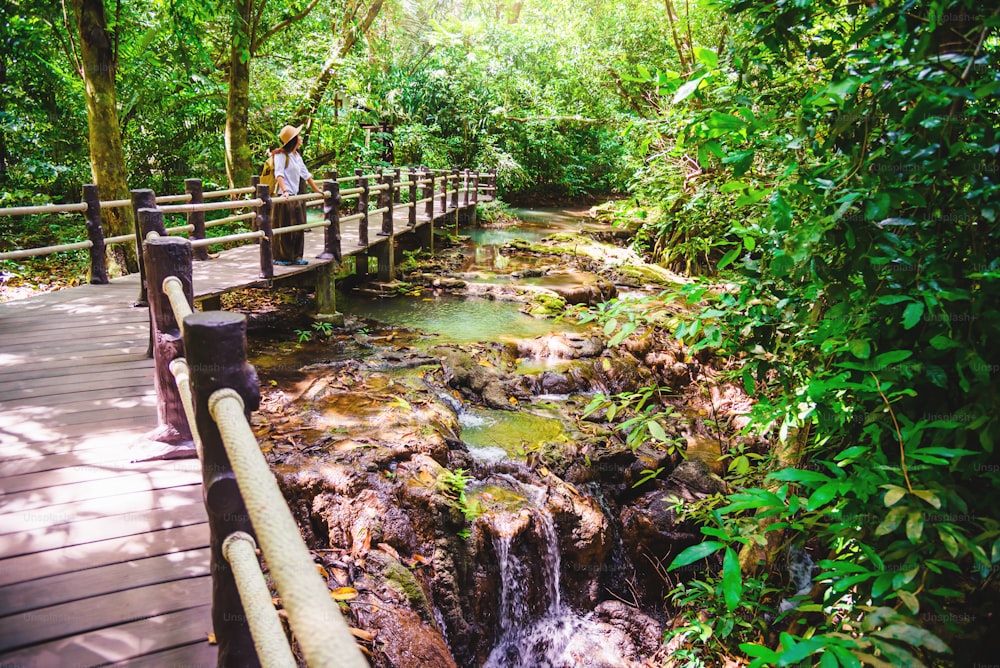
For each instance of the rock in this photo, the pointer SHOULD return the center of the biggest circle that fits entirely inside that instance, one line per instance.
(560, 346)
(644, 631)
(649, 528)
(584, 542)
(403, 639)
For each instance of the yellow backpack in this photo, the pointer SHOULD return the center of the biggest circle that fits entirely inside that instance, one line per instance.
(267, 173)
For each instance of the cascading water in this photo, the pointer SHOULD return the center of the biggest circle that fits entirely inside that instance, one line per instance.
(555, 637)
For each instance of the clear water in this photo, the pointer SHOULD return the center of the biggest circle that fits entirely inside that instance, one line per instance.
(493, 435)
(453, 319)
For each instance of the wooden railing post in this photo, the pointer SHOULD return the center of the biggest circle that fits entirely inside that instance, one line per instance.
(165, 256)
(475, 187)
(215, 343)
(493, 181)
(390, 196)
(196, 218)
(141, 199)
(362, 208)
(454, 193)
(264, 225)
(429, 194)
(444, 193)
(95, 232)
(465, 187)
(411, 220)
(399, 191)
(331, 212)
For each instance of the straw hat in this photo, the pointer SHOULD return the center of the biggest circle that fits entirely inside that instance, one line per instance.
(288, 133)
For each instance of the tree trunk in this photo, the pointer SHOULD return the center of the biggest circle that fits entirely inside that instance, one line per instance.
(238, 163)
(318, 89)
(107, 158)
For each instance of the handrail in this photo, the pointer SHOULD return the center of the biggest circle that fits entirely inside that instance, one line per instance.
(47, 250)
(242, 236)
(44, 208)
(239, 549)
(401, 182)
(211, 206)
(313, 615)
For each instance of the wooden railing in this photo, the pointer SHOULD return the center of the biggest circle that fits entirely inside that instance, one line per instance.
(213, 389)
(388, 186)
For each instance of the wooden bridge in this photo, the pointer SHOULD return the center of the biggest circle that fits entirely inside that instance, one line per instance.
(104, 560)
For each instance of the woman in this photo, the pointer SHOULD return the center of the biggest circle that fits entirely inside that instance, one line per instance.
(289, 170)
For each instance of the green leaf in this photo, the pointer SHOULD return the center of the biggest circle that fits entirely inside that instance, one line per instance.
(892, 357)
(913, 635)
(823, 495)
(914, 526)
(685, 91)
(798, 475)
(912, 314)
(732, 579)
(928, 496)
(706, 57)
(891, 521)
(798, 651)
(892, 495)
(860, 348)
(695, 553)
(656, 431)
(728, 258)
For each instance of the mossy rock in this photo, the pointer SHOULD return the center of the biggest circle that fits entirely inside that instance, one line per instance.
(546, 305)
(401, 579)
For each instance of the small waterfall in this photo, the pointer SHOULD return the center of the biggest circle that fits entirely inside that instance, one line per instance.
(527, 641)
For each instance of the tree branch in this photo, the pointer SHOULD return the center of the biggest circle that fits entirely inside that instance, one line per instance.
(281, 26)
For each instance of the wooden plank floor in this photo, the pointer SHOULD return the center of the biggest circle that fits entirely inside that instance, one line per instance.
(104, 561)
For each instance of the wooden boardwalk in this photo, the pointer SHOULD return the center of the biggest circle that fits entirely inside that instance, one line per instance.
(104, 561)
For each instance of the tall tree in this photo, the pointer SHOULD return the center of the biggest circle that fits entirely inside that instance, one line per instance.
(107, 158)
(248, 35)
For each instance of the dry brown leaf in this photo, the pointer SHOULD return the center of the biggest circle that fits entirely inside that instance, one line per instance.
(344, 594)
(390, 550)
(361, 634)
(322, 571)
(420, 559)
(340, 575)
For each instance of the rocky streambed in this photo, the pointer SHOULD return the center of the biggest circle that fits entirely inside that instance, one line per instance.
(462, 505)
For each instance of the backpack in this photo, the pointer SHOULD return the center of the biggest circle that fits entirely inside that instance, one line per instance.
(267, 173)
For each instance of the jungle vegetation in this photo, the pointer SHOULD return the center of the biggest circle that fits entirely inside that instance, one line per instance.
(834, 165)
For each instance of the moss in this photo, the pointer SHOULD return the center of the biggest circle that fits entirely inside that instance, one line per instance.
(545, 305)
(401, 579)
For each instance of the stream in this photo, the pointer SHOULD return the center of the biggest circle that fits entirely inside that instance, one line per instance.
(433, 451)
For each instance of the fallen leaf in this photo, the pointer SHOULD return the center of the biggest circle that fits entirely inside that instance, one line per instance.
(340, 576)
(485, 363)
(361, 634)
(513, 400)
(543, 471)
(344, 594)
(420, 559)
(390, 550)
(211, 639)
(322, 571)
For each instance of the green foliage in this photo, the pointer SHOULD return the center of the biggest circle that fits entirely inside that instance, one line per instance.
(452, 485)
(848, 154)
(322, 329)
(644, 417)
